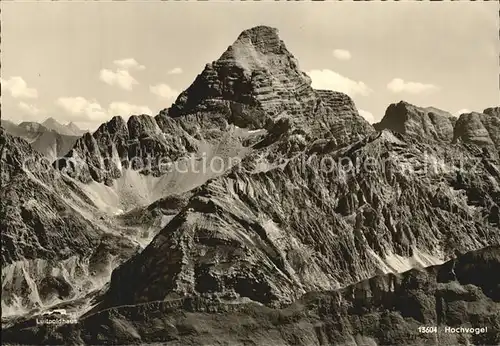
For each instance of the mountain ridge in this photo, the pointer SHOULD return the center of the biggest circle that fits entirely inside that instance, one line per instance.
(69, 130)
(310, 198)
(448, 295)
(55, 242)
(47, 141)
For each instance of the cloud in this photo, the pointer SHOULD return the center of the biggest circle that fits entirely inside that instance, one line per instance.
(82, 110)
(29, 109)
(367, 115)
(176, 70)
(18, 88)
(129, 63)
(120, 78)
(342, 54)
(89, 111)
(163, 90)
(461, 111)
(330, 80)
(125, 109)
(397, 85)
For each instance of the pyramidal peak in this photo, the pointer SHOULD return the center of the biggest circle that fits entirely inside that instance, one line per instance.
(256, 84)
(255, 49)
(254, 198)
(71, 125)
(50, 121)
(257, 70)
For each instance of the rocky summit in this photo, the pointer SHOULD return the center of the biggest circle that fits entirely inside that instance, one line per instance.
(56, 244)
(424, 123)
(482, 129)
(70, 129)
(313, 228)
(257, 70)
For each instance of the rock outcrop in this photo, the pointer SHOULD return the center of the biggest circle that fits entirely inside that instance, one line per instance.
(384, 310)
(256, 70)
(424, 123)
(52, 235)
(317, 201)
(494, 111)
(482, 129)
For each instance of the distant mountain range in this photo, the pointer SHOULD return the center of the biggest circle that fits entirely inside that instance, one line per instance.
(50, 138)
(70, 129)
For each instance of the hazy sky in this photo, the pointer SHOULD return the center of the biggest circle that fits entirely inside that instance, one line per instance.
(87, 61)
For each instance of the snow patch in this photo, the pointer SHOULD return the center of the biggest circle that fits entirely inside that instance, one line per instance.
(393, 263)
(257, 131)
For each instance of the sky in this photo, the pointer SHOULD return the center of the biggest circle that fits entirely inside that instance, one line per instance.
(88, 61)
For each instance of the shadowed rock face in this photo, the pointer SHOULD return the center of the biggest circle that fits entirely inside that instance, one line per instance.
(256, 84)
(384, 310)
(482, 129)
(256, 70)
(494, 111)
(425, 123)
(320, 201)
(48, 227)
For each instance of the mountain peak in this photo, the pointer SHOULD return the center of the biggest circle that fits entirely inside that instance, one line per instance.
(423, 122)
(32, 126)
(69, 129)
(114, 125)
(263, 39)
(50, 120)
(259, 31)
(493, 111)
(258, 71)
(254, 49)
(479, 128)
(72, 126)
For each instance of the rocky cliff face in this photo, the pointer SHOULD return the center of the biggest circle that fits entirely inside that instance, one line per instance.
(258, 234)
(260, 83)
(317, 201)
(206, 120)
(293, 206)
(432, 124)
(276, 227)
(256, 70)
(482, 129)
(384, 310)
(55, 247)
(423, 123)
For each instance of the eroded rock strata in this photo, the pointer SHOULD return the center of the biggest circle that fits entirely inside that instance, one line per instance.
(302, 239)
(384, 310)
(54, 246)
